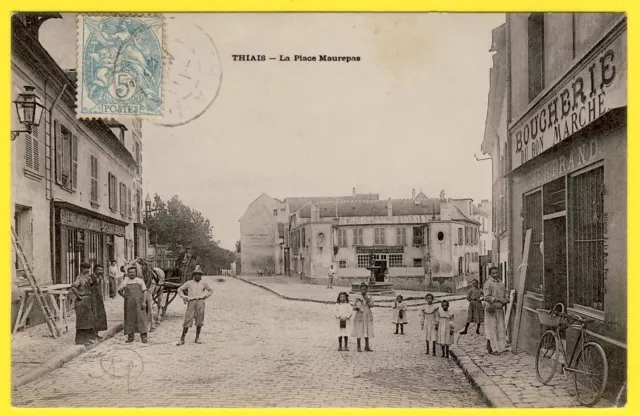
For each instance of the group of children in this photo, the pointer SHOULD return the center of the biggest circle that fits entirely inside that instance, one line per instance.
(437, 322)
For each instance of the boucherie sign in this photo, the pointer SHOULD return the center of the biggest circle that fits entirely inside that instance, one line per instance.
(596, 85)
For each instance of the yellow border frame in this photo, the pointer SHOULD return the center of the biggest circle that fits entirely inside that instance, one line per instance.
(6, 8)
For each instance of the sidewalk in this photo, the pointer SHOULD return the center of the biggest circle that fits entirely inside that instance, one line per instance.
(35, 352)
(509, 380)
(289, 288)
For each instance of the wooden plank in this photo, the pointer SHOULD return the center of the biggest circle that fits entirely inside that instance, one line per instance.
(512, 296)
(520, 292)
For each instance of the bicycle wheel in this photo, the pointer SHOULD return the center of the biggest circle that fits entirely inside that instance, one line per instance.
(547, 357)
(590, 374)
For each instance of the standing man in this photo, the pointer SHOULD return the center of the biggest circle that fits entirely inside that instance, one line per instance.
(97, 303)
(186, 262)
(332, 274)
(495, 300)
(81, 297)
(113, 283)
(147, 277)
(133, 289)
(196, 293)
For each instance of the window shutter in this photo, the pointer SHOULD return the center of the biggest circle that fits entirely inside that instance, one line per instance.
(58, 151)
(28, 151)
(74, 161)
(129, 211)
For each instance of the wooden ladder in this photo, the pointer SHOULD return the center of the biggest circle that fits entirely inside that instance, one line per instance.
(37, 293)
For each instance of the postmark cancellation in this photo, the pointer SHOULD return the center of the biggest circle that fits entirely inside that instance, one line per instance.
(120, 66)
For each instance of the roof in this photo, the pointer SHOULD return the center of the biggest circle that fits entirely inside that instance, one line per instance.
(421, 195)
(462, 216)
(373, 208)
(295, 203)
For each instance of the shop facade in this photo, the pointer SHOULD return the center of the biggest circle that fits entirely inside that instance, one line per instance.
(568, 181)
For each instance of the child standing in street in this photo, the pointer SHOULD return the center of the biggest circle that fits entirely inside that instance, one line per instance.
(363, 320)
(428, 322)
(445, 327)
(399, 314)
(343, 312)
(475, 313)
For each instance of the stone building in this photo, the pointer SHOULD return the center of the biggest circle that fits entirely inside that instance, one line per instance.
(76, 184)
(563, 169)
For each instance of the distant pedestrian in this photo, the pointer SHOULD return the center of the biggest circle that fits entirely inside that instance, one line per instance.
(428, 321)
(133, 289)
(495, 300)
(399, 314)
(343, 312)
(97, 302)
(445, 326)
(113, 279)
(332, 274)
(363, 320)
(81, 297)
(475, 313)
(194, 293)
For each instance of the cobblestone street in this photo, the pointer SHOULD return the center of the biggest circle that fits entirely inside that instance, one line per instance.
(258, 351)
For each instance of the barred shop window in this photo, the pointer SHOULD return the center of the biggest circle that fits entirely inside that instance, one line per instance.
(342, 264)
(358, 239)
(32, 150)
(417, 262)
(379, 236)
(363, 261)
(532, 213)
(342, 237)
(536, 54)
(395, 260)
(588, 239)
(66, 157)
(418, 236)
(401, 236)
(94, 178)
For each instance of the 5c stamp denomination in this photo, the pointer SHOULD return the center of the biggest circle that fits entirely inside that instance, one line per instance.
(120, 68)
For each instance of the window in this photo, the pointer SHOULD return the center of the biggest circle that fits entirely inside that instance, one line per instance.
(363, 261)
(466, 235)
(554, 196)
(418, 236)
(113, 192)
(536, 54)
(401, 236)
(94, 179)
(342, 264)
(32, 150)
(304, 241)
(275, 212)
(358, 240)
(417, 262)
(123, 198)
(66, 147)
(138, 156)
(460, 236)
(342, 237)
(532, 213)
(440, 236)
(395, 260)
(379, 237)
(588, 242)
(139, 205)
(129, 205)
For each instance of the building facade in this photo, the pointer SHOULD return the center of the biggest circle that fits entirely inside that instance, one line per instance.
(76, 184)
(566, 171)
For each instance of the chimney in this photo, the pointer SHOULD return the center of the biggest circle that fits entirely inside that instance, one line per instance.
(442, 196)
(389, 209)
(413, 194)
(354, 192)
(315, 213)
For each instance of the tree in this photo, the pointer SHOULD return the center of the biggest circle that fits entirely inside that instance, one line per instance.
(177, 225)
(238, 244)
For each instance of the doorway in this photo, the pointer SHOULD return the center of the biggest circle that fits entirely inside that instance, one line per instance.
(555, 261)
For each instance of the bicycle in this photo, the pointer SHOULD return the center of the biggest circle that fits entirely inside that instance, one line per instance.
(591, 369)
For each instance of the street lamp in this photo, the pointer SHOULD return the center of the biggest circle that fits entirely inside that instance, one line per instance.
(29, 107)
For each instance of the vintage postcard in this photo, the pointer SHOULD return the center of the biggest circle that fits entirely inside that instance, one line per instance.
(319, 210)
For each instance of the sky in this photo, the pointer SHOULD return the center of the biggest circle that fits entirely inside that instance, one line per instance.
(409, 115)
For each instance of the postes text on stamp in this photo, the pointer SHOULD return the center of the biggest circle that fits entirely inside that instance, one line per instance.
(120, 68)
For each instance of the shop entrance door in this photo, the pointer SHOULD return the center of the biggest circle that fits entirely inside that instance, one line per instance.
(555, 261)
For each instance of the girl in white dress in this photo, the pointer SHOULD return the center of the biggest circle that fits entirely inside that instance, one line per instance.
(343, 312)
(399, 314)
(428, 323)
(445, 326)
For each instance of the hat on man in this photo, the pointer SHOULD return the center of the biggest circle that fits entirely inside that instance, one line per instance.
(197, 270)
(84, 265)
